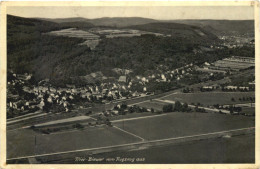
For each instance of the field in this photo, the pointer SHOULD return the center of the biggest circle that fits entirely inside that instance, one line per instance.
(92, 40)
(91, 43)
(131, 115)
(114, 33)
(73, 32)
(152, 104)
(211, 98)
(22, 142)
(67, 120)
(232, 65)
(25, 142)
(184, 124)
(248, 110)
(239, 149)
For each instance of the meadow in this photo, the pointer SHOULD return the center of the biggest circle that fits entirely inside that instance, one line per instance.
(211, 98)
(25, 142)
(156, 105)
(178, 124)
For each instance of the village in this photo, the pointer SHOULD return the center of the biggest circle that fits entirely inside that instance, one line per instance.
(25, 97)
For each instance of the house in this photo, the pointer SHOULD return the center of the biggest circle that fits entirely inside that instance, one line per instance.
(231, 87)
(122, 79)
(163, 78)
(252, 83)
(41, 105)
(114, 112)
(208, 87)
(243, 88)
(49, 99)
(143, 79)
(138, 77)
(206, 64)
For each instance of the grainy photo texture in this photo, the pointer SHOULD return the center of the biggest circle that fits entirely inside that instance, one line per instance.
(130, 85)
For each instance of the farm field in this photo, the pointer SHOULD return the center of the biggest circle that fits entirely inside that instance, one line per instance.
(248, 110)
(114, 33)
(178, 124)
(210, 98)
(238, 149)
(132, 115)
(25, 142)
(152, 104)
(75, 33)
(67, 120)
(22, 142)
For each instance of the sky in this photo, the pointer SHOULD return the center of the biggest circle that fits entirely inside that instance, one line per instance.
(156, 12)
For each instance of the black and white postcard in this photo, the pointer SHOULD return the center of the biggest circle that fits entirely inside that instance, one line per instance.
(129, 83)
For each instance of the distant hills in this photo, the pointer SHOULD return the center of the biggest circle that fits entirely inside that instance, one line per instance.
(106, 21)
(228, 27)
(60, 58)
(220, 27)
(145, 24)
(177, 30)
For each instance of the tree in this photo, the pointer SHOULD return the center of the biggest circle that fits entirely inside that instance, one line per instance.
(152, 110)
(231, 109)
(185, 107)
(89, 112)
(168, 108)
(123, 106)
(78, 126)
(177, 106)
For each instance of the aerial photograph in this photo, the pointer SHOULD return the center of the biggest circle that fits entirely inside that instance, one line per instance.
(130, 85)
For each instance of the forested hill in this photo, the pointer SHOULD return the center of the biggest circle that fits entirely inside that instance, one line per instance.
(106, 21)
(59, 58)
(222, 27)
(177, 30)
(16, 24)
(218, 27)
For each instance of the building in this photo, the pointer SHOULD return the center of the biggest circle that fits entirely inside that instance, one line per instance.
(122, 79)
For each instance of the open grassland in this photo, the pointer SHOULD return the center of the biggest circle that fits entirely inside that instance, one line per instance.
(156, 105)
(62, 121)
(131, 115)
(238, 149)
(25, 142)
(22, 142)
(211, 98)
(184, 124)
(75, 33)
(248, 110)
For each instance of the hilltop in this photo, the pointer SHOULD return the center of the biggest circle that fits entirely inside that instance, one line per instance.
(106, 21)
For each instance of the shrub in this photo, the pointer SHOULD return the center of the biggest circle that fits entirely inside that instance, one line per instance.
(168, 108)
(78, 126)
